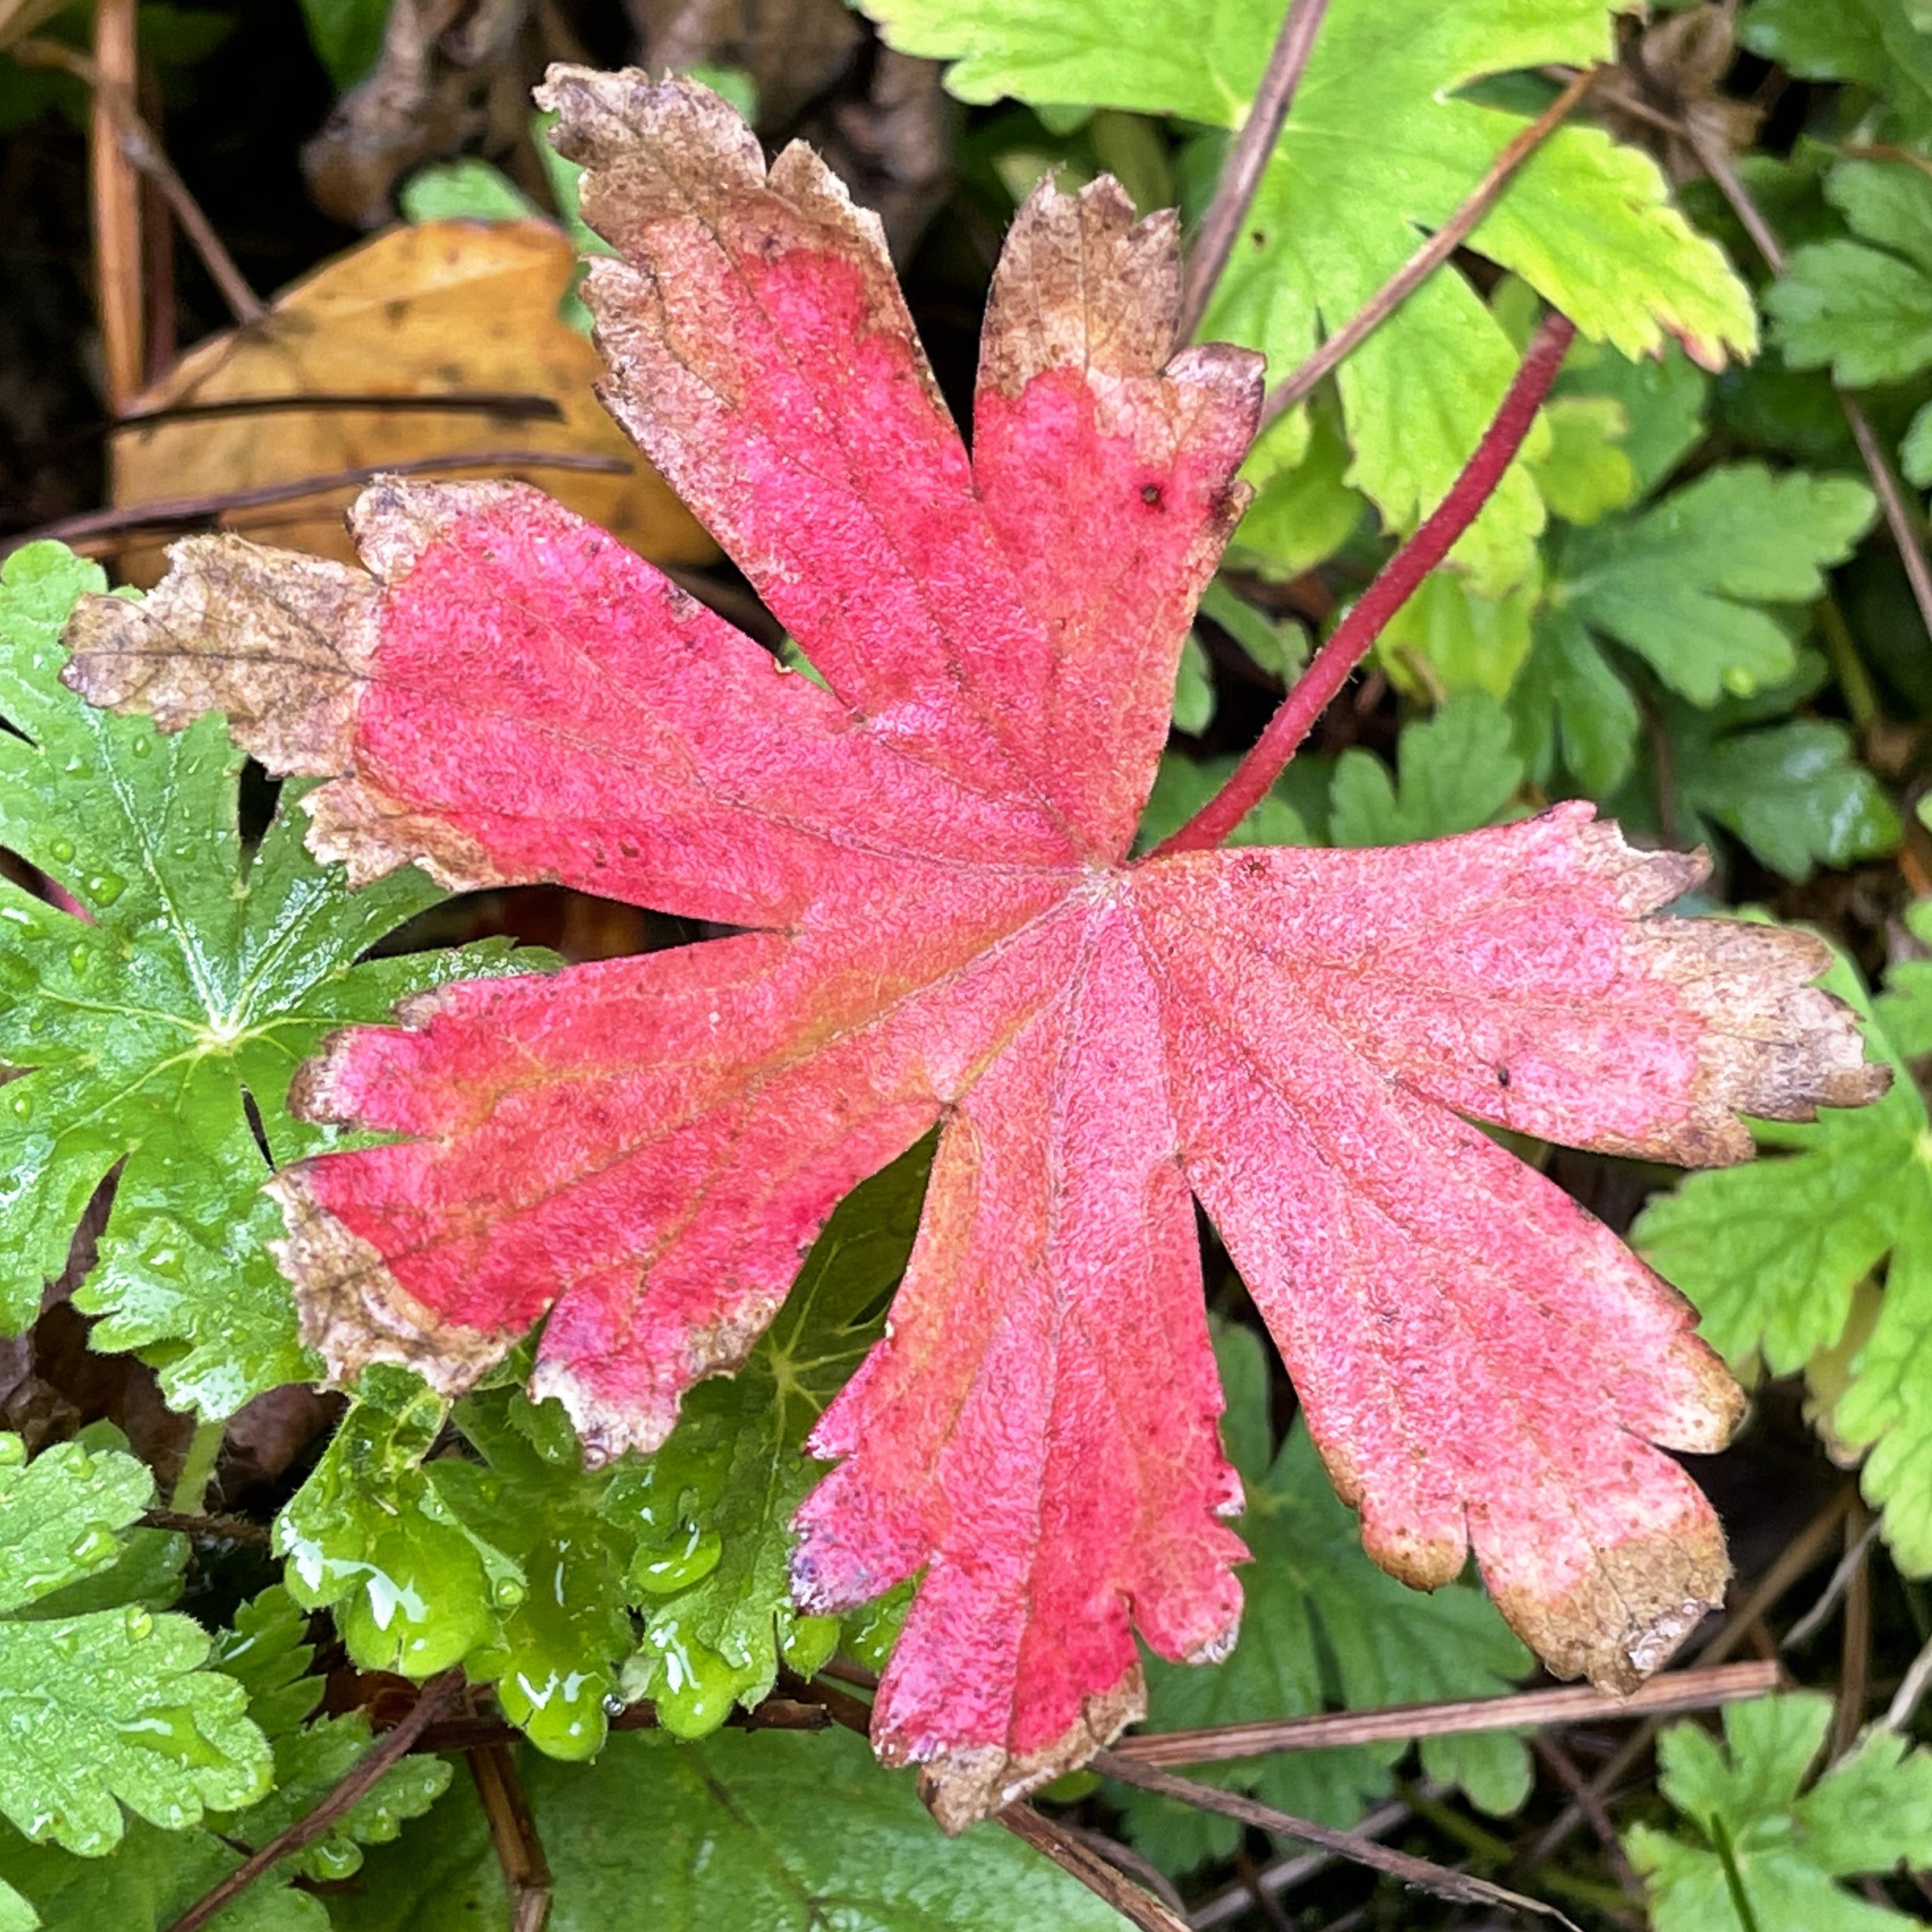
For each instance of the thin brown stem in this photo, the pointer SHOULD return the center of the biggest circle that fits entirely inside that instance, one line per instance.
(1563, 1767)
(1458, 1886)
(224, 1529)
(114, 102)
(1673, 1692)
(1428, 257)
(520, 1857)
(1247, 159)
(1286, 1873)
(1334, 664)
(178, 512)
(1899, 517)
(1137, 1906)
(116, 196)
(435, 1696)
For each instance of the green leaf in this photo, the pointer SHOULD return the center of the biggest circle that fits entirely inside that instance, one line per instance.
(1194, 690)
(783, 1831)
(1877, 43)
(347, 36)
(146, 1885)
(525, 1567)
(1861, 312)
(1382, 142)
(1681, 583)
(1469, 642)
(201, 977)
(1457, 770)
(467, 189)
(712, 1566)
(266, 1654)
(113, 1706)
(1322, 1627)
(1768, 1853)
(373, 1535)
(1795, 794)
(1570, 707)
(1772, 1252)
(1305, 509)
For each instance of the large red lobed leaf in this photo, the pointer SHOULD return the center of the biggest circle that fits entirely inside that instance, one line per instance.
(932, 855)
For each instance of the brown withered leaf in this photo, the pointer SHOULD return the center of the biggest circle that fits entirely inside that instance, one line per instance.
(1672, 71)
(447, 306)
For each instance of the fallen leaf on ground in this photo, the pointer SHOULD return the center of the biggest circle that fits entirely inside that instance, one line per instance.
(444, 307)
(931, 850)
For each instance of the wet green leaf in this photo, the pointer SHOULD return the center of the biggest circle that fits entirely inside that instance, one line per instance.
(114, 1706)
(202, 975)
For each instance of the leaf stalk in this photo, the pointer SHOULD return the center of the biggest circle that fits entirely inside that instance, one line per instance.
(1330, 669)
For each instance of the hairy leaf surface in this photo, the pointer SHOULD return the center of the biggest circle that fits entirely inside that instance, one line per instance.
(931, 852)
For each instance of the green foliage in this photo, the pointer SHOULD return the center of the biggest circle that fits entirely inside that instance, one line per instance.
(516, 1562)
(110, 1706)
(150, 1876)
(1793, 791)
(200, 975)
(1772, 1254)
(346, 34)
(1455, 771)
(1880, 44)
(1322, 1626)
(715, 1504)
(1382, 141)
(1769, 1852)
(784, 1831)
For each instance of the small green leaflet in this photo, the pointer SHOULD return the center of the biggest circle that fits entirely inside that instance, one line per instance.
(1681, 583)
(110, 1706)
(1455, 772)
(526, 1569)
(711, 1570)
(781, 1831)
(1322, 1626)
(1790, 789)
(1881, 45)
(1382, 142)
(1772, 1253)
(152, 1876)
(1767, 1853)
(1863, 309)
(199, 977)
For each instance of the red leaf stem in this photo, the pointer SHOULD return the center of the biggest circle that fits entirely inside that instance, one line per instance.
(1330, 669)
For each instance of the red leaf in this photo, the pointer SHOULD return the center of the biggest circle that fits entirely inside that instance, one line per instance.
(949, 929)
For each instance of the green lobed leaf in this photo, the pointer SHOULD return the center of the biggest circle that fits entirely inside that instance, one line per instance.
(1322, 1626)
(1682, 582)
(783, 1831)
(1455, 772)
(197, 979)
(1861, 311)
(712, 1570)
(112, 1706)
(1795, 793)
(1877, 43)
(1767, 1852)
(1771, 1252)
(1382, 142)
